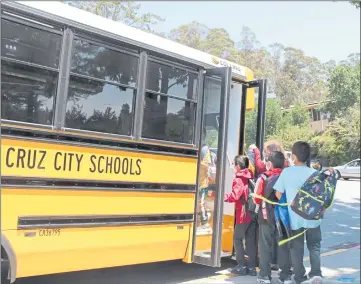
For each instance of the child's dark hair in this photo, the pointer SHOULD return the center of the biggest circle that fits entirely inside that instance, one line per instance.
(277, 159)
(302, 150)
(241, 161)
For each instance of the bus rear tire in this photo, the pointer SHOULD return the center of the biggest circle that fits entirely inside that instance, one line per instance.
(5, 268)
(4, 272)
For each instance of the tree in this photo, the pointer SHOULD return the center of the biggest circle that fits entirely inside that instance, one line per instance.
(214, 41)
(356, 3)
(219, 43)
(286, 127)
(340, 143)
(302, 79)
(191, 35)
(125, 11)
(292, 126)
(344, 89)
(254, 56)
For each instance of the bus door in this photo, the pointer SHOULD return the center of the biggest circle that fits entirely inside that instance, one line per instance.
(244, 119)
(207, 238)
(253, 129)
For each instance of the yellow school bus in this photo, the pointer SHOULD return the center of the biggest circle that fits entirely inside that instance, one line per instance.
(103, 128)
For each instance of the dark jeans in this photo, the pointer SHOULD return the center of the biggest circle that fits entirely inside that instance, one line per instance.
(313, 241)
(247, 232)
(267, 235)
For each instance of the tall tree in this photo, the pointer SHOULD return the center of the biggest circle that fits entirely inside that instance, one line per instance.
(125, 11)
(191, 35)
(344, 88)
(214, 41)
(219, 43)
(251, 54)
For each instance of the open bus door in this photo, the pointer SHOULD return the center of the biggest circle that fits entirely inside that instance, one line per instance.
(259, 124)
(223, 116)
(207, 238)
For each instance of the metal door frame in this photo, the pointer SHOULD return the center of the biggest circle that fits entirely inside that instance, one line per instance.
(225, 73)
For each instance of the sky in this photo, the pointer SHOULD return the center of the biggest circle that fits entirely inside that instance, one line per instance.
(327, 30)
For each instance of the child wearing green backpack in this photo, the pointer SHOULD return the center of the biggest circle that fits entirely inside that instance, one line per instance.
(289, 182)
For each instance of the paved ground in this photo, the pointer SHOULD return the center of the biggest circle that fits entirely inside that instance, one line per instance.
(340, 260)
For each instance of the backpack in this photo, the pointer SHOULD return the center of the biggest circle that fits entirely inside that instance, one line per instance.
(315, 196)
(270, 198)
(249, 205)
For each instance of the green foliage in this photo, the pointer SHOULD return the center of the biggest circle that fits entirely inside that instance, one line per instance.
(290, 134)
(198, 36)
(344, 88)
(286, 127)
(356, 3)
(212, 138)
(293, 126)
(340, 143)
(298, 116)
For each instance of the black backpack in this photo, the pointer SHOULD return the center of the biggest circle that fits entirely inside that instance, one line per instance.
(270, 195)
(249, 205)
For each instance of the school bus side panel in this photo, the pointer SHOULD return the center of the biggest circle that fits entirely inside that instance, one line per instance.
(44, 249)
(40, 251)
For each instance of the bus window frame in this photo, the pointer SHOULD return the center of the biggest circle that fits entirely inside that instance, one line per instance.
(27, 20)
(56, 29)
(196, 101)
(67, 67)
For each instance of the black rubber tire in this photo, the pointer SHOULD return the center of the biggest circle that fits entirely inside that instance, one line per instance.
(4, 273)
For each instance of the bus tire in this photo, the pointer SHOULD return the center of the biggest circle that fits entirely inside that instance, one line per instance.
(8, 261)
(5, 268)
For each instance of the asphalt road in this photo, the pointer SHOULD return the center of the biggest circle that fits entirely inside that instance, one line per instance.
(341, 229)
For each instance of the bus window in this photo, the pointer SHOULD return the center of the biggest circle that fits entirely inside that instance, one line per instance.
(103, 63)
(28, 44)
(101, 89)
(171, 81)
(28, 91)
(251, 123)
(170, 104)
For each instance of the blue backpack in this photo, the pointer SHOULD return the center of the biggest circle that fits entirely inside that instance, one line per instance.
(315, 196)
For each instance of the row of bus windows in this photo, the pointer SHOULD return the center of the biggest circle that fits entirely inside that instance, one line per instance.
(102, 86)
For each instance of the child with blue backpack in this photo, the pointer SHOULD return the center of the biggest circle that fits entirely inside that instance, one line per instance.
(267, 223)
(288, 183)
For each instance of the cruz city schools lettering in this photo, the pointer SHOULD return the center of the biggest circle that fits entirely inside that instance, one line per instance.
(68, 161)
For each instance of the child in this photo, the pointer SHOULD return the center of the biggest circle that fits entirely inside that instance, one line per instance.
(290, 180)
(266, 219)
(244, 228)
(269, 146)
(260, 166)
(203, 186)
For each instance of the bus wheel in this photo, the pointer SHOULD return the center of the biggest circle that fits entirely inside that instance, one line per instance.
(5, 268)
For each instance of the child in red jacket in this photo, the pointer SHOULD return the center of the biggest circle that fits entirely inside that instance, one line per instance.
(245, 229)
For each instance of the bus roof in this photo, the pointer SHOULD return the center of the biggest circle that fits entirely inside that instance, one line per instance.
(83, 19)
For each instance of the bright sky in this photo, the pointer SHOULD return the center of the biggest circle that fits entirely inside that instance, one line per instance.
(327, 30)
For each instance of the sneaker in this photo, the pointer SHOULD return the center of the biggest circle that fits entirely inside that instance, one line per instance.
(288, 280)
(275, 267)
(313, 280)
(264, 280)
(239, 270)
(252, 271)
